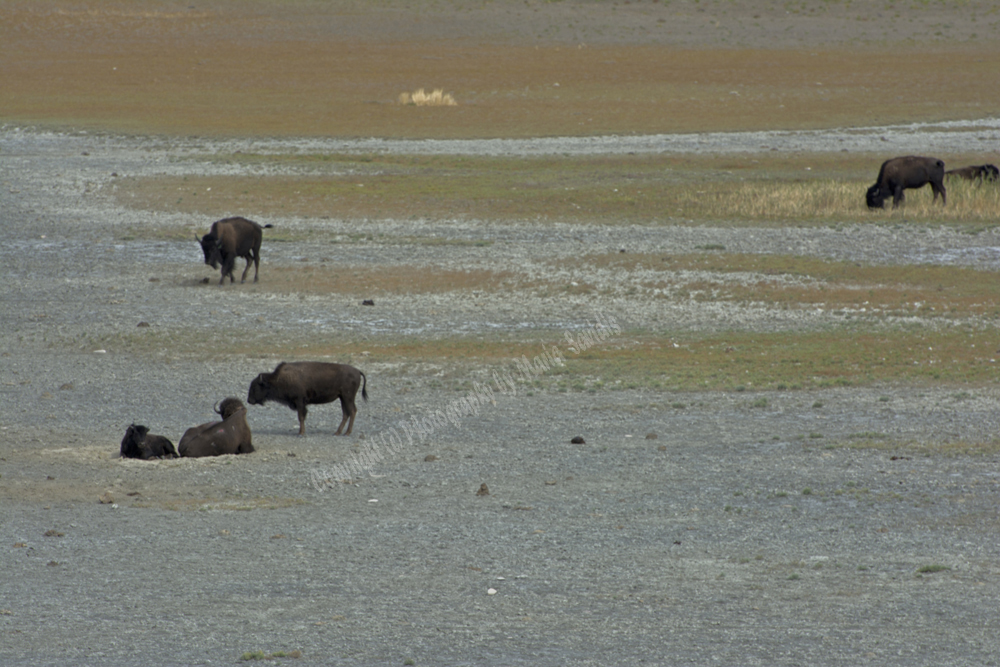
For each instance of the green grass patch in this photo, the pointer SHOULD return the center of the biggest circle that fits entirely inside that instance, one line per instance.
(757, 190)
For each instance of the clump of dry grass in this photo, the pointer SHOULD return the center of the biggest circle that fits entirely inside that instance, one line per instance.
(419, 98)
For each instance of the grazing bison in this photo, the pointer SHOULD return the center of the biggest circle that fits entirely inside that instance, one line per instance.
(982, 172)
(301, 383)
(230, 436)
(230, 238)
(139, 444)
(903, 173)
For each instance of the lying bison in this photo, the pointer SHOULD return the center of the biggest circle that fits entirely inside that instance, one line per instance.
(982, 172)
(230, 436)
(139, 444)
(903, 173)
(230, 238)
(301, 383)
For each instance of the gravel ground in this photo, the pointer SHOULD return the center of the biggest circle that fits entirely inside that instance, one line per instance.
(739, 535)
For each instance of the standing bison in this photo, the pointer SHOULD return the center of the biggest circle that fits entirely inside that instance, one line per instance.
(230, 238)
(901, 173)
(139, 444)
(301, 383)
(230, 436)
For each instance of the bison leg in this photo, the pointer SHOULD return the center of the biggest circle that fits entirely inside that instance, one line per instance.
(898, 197)
(349, 410)
(256, 264)
(244, 278)
(302, 410)
(938, 188)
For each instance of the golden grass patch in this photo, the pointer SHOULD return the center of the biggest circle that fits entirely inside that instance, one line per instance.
(436, 98)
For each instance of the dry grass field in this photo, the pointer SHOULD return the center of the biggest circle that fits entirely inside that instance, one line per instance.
(515, 69)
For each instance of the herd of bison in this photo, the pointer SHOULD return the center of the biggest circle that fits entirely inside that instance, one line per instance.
(300, 384)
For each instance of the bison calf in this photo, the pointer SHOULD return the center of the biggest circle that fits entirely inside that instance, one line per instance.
(902, 173)
(230, 436)
(139, 444)
(301, 383)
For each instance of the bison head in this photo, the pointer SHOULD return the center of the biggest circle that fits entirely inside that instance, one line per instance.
(212, 249)
(874, 197)
(229, 406)
(258, 390)
(132, 442)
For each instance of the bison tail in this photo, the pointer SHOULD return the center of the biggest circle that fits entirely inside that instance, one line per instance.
(364, 386)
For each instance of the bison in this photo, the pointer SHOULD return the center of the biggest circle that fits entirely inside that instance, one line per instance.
(301, 383)
(982, 172)
(139, 444)
(903, 173)
(230, 238)
(230, 436)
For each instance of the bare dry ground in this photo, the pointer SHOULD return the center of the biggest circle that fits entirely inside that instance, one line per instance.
(790, 447)
(515, 68)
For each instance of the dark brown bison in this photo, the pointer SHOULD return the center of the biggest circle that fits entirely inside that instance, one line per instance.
(982, 172)
(230, 436)
(903, 173)
(301, 383)
(230, 238)
(139, 444)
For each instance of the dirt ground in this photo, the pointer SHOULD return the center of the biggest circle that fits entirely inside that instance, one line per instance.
(842, 526)
(516, 69)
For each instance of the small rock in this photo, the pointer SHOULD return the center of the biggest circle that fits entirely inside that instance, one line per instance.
(50, 478)
(650, 436)
(578, 440)
(368, 302)
(66, 387)
(483, 490)
(204, 281)
(20, 545)
(154, 280)
(278, 536)
(106, 498)
(291, 454)
(491, 591)
(430, 457)
(550, 482)
(142, 324)
(662, 448)
(52, 563)
(52, 532)
(223, 532)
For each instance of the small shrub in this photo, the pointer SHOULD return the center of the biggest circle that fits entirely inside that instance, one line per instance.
(931, 569)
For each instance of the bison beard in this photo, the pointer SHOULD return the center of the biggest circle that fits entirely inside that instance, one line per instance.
(904, 173)
(302, 383)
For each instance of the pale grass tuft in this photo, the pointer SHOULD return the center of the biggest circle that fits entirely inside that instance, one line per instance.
(419, 98)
